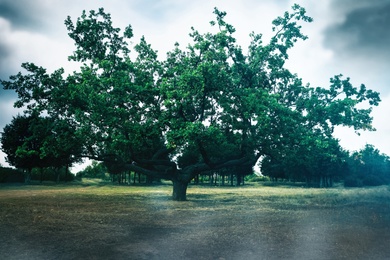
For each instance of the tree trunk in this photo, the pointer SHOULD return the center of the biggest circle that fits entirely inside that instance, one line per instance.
(149, 179)
(41, 172)
(238, 179)
(196, 180)
(66, 172)
(179, 190)
(57, 175)
(27, 178)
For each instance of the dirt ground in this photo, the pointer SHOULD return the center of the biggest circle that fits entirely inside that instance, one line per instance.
(116, 222)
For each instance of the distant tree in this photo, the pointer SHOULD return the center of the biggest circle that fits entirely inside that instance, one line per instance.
(51, 174)
(95, 170)
(316, 159)
(21, 146)
(62, 146)
(322, 160)
(273, 168)
(38, 142)
(213, 101)
(368, 167)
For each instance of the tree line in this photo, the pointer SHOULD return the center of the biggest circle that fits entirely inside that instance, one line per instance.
(207, 107)
(366, 167)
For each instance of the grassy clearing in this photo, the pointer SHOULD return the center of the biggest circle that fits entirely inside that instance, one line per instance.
(280, 195)
(95, 220)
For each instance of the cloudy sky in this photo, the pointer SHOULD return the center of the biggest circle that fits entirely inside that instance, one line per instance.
(351, 37)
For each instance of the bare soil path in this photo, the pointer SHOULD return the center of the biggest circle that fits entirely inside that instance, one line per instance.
(108, 222)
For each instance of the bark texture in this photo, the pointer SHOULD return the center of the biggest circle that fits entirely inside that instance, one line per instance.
(179, 190)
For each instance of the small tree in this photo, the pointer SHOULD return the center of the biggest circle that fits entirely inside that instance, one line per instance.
(37, 142)
(21, 146)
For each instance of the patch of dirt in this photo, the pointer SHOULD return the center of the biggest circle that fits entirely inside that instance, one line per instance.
(99, 223)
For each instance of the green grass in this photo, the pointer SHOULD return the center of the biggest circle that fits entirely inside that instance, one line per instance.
(99, 220)
(282, 195)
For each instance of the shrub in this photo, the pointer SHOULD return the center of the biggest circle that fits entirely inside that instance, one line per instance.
(256, 178)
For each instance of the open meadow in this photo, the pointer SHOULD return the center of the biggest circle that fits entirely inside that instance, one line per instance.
(106, 221)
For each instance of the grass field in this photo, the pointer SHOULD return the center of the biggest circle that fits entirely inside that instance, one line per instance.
(103, 221)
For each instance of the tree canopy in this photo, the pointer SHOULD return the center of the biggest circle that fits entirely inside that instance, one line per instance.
(208, 106)
(38, 142)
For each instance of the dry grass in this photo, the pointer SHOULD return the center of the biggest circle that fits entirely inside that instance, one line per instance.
(92, 220)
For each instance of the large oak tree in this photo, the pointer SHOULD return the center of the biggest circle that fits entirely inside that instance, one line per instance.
(208, 106)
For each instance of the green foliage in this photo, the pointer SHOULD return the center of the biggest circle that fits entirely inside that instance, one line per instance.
(324, 161)
(10, 175)
(353, 181)
(317, 159)
(211, 106)
(51, 174)
(34, 141)
(373, 180)
(95, 170)
(368, 167)
(256, 178)
(21, 144)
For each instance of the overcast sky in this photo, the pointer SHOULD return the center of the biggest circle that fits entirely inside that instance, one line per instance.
(351, 37)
